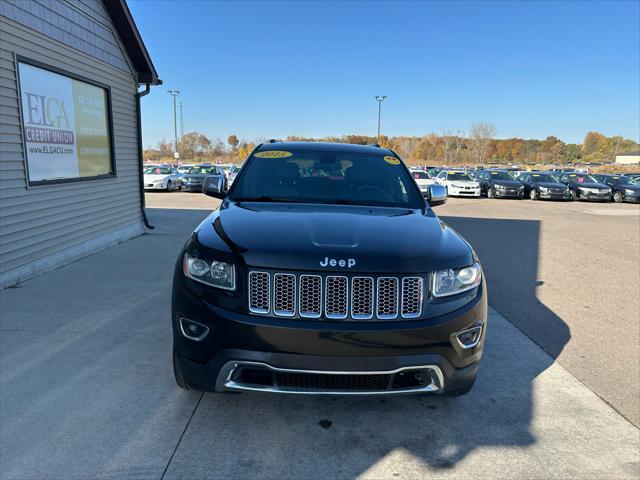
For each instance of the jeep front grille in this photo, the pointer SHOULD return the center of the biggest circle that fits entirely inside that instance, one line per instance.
(387, 305)
(361, 298)
(310, 296)
(259, 292)
(284, 294)
(335, 297)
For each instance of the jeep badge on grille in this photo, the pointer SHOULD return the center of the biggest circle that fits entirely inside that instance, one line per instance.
(340, 262)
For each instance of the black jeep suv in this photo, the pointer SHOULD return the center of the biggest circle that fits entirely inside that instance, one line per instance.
(325, 271)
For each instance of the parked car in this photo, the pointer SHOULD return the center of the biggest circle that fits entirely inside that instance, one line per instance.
(193, 179)
(500, 183)
(233, 173)
(307, 283)
(583, 186)
(161, 178)
(423, 179)
(182, 169)
(544, 185)
(458, 183)
(622, 187)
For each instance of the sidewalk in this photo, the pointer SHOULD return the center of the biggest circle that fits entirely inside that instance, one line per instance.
(86, 391)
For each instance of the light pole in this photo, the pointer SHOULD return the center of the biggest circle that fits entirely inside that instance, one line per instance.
(174, 94)
(181, 122)
(380, 99)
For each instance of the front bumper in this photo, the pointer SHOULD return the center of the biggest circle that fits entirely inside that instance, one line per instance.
(150, 186)
(554, 196)
(463, 192)
(631, 198)
(324, 347)
(192, 187)
(508, 193)
(594, 197)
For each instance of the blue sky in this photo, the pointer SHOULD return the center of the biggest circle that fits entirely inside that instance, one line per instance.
(272, 69)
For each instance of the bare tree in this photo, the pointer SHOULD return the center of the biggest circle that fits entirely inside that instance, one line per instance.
(447, 140)
(458, 143)
(482, 134)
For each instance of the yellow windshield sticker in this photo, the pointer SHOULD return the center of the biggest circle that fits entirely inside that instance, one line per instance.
(391, 160)
(273, 154)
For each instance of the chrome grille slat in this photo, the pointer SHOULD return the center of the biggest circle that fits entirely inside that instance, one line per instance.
(284, 294)
(310, 296)
(361, 298)
(411, 302)
(335, 297)
(259, 292)
(387, 298)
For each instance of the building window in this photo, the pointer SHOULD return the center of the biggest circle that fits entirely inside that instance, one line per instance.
(67, 126)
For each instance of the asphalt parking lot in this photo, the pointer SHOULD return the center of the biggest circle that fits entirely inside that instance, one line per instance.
(86, 388)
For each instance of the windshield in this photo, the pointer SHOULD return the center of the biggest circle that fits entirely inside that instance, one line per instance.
(203, 170)
(634, 181)
(582, 178)
(502, 176)
(458, 176)
(157, 171)
(420, 175)
(321, 176)
(621, 179)
(543, 177)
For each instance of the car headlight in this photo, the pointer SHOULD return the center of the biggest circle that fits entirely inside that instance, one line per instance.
(543, 189)
(629, 191)
(500, 187)
(210, 272)
(452, 282)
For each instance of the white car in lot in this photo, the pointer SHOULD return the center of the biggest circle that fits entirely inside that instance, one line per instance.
(458, 183)
(161, 177)
(423, 179)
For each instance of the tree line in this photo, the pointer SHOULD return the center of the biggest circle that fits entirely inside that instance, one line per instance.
(475, 147)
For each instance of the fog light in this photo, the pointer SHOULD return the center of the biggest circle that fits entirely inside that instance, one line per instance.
(470, 338)
(193, 330)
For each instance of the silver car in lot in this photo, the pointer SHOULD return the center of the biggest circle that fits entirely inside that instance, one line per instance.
(161, 177)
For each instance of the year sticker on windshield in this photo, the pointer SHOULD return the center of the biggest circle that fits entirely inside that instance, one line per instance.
(273, 154)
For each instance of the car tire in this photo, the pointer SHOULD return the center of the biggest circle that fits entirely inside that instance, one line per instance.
(574, 194)
(618, 197)
(168, 185)
(533, 194)
(491, 193)
(181, 381)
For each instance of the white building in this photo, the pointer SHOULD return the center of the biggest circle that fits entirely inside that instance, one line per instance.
(631, 158)
(70, 137)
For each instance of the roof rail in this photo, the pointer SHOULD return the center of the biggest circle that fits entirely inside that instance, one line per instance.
(274, 140)
(373, 145)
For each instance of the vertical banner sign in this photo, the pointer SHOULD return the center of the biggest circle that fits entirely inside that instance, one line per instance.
(66, 126)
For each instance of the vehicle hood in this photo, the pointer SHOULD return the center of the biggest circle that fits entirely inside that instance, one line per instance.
(467, 183)
(425, 181)
(508, 183)
(154, 178)
(551, 185)
(301, 237)
(196, 176)
(592, 185)
(630, 186)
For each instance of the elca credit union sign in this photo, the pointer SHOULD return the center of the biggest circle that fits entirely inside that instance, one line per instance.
(66, 128)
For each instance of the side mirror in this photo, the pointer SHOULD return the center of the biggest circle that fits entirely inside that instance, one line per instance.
(437, 195)
(213, 185)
